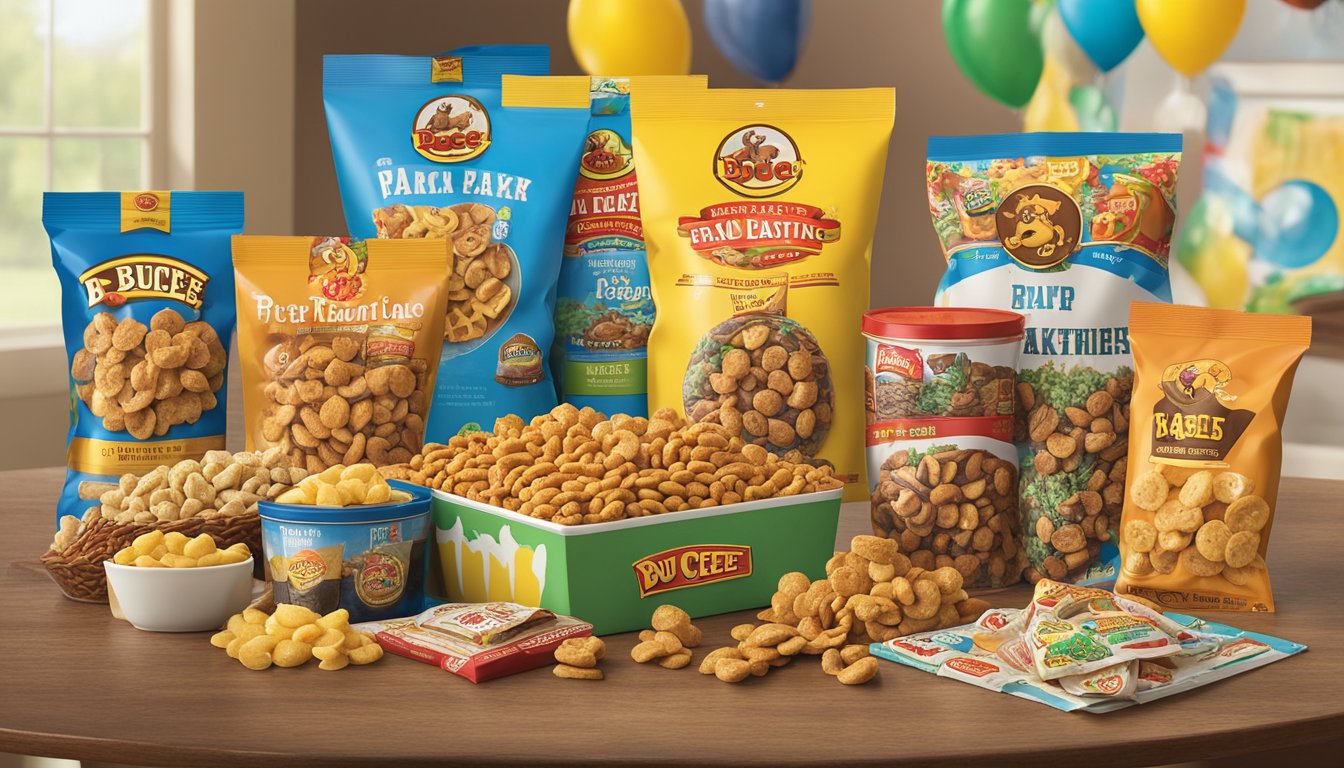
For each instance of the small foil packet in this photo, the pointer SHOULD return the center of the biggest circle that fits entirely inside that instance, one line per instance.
(1076, 648)
(478, 641)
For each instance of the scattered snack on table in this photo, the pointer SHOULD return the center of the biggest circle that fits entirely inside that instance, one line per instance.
(174, 549)
(148, 312)
(572, 466)
(1085, 649)
(1066, 228)
(339, 342)
(406, 161)
(293, 635)
(670, 641)
(1211, 389)
(578, 657)
(760, 232)
(483, 641)
(342, 486)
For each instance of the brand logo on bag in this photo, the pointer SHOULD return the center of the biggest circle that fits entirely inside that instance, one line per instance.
(606, 156)
(144, 276)
(691, 566)
(1039, 225)
(906, 362)
(147, 201)
(451, 129)
(1192, 420)
(336, 267)
(305, 569)
(758, 161)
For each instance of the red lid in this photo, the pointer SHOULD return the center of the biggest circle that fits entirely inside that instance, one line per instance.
(942, 323)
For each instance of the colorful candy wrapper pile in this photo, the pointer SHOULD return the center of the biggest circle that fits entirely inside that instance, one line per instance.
(1078, 648)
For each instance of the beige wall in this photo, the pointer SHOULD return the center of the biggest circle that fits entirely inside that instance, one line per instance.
(852, 43)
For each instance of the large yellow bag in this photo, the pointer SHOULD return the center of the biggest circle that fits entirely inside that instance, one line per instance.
(758, 210)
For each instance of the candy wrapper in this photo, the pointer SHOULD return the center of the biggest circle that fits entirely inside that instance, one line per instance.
(1076, 648)
(478, 641)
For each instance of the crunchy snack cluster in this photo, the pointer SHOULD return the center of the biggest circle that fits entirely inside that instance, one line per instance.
(670, 641)
(952, 508)
(763, 377)
(329, 402)
(342, 486)
(175, 549)
(1073, 476)
(221, 484)
(1207, 522)
(145, 379)
(293, 635)
(572, 466)
(578, 657)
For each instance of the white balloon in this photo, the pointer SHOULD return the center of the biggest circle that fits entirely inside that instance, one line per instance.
(1180, 111)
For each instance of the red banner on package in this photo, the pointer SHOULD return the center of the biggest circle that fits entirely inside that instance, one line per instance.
(604, 209)
(758, 235)
(894, 430)
(899, 360)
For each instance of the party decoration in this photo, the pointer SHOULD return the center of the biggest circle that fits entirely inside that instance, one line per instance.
(761, 38)
(1060, 46)
(1298, 223)
(1190, 34)
(1049, 108)
(1107, 30)
(620, 37)
(1092, 109)
(996, 46)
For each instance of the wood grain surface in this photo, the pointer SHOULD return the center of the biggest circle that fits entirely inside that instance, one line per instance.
(75, 683)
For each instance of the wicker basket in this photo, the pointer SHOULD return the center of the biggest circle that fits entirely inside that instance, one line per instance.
(78, 569)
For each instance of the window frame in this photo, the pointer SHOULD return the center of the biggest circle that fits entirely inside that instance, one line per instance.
(28, 353)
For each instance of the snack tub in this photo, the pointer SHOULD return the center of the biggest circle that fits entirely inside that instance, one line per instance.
(368, 559)
(942, 467)
(613, 575)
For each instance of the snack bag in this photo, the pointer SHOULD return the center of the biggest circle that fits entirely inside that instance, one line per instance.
(604, 308)
(339, 342)
(758, 211)
(147, 311)
(488, 163)
(1210, 390)
(1067, 229)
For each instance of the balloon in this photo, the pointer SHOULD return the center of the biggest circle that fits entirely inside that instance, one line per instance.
(1049, 108)
(1215, 258)
(1107, 30)
(1190, 34)
(1180, 111)
(1060, 46)
(1305, 5)
(761, 38)
(1094, 112)
(1298, 224)
(619, 37)
(996, 46)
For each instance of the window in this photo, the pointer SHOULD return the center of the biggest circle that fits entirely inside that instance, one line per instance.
(76, 114)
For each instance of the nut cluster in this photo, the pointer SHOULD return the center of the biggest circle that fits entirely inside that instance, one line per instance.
(952, 508)
(1092, 433)
(327, 404)
(572, 466)
(221, 484)
(670, 641)
(577, 657)
(146, 379)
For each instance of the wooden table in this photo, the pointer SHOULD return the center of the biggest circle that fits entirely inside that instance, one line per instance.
(75, 683)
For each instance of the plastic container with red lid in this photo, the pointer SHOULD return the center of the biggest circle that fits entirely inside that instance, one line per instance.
(942, 464)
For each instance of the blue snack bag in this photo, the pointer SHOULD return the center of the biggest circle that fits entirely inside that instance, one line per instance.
(489, 162)
(147, 313)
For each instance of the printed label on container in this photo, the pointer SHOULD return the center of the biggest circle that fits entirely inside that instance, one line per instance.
(691, 566)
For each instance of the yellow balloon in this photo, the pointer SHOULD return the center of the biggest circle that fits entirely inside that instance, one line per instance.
(1049, 108)
(630, 37)
(1190, 34)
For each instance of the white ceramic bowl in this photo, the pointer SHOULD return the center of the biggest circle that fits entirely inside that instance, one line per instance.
(179, 599)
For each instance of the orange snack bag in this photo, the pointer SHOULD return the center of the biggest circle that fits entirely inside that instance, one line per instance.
(1210, 390)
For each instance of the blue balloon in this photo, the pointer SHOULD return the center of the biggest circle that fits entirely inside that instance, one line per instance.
(762, 38)
(1107, 30)
(1298, 224)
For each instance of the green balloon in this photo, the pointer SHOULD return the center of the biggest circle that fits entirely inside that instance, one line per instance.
(997, 44)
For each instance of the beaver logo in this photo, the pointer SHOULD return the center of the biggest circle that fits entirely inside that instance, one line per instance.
(1197, 380)
(758, 161)
(451, 129)
(1039, 225)
(1194, 421)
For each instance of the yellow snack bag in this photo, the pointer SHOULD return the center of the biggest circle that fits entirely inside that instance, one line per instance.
(758, 210)
(1210, 390)
(339, 343)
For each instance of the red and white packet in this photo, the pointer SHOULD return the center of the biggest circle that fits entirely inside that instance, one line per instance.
(478, 641)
